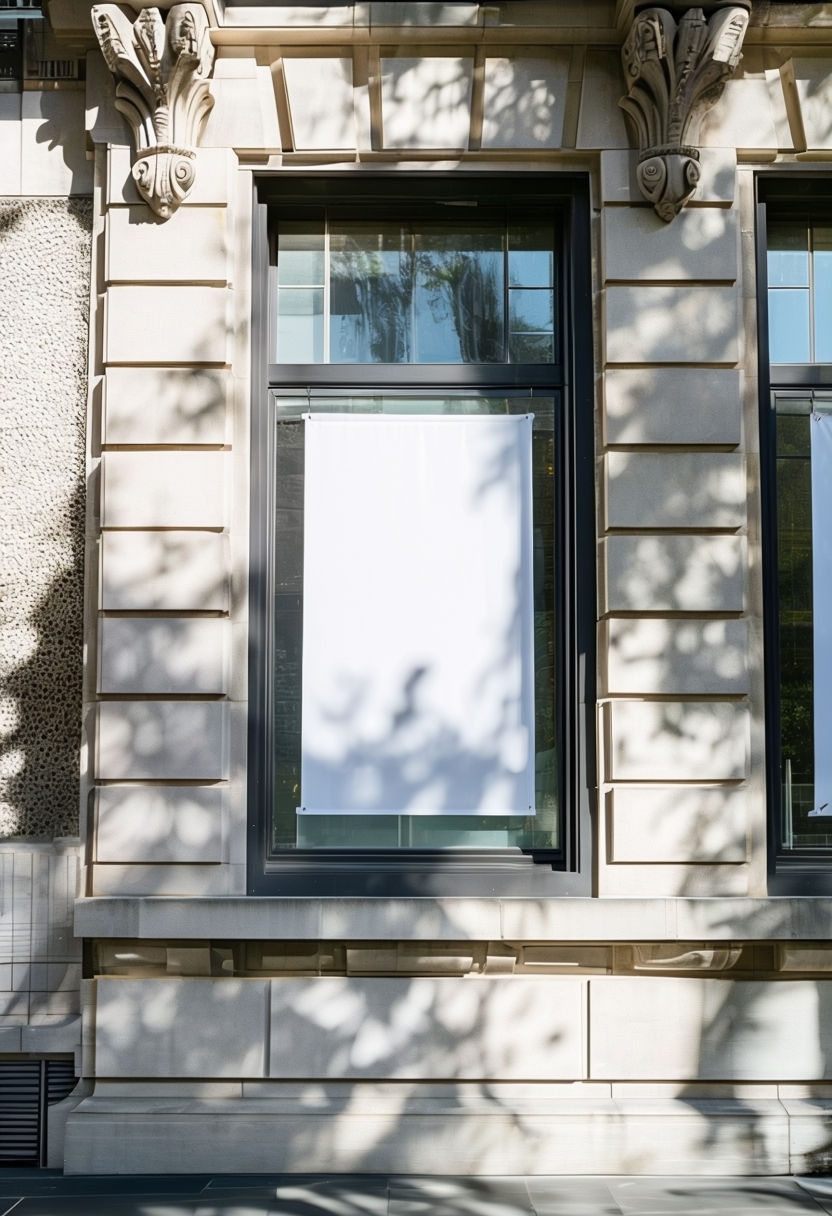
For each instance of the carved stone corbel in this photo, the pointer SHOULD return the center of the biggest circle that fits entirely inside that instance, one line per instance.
(162, 71)
(675, 71)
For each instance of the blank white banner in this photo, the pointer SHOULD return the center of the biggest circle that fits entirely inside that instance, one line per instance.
(821, 433)
(418, 664)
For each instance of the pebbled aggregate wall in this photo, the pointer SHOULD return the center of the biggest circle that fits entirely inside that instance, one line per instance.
(44, 308)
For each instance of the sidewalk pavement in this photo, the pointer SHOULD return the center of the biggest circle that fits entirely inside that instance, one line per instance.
(49, 1193)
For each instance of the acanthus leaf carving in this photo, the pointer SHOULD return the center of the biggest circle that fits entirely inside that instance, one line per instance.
(162, 71)
(675, 71)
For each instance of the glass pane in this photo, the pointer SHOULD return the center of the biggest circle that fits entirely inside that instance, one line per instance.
(459, 309)
(788, 255)
(788, 326)
(423, 831)
(300, 256)
(300, 325)
(822, 269)
(370, 301)
(530, 256)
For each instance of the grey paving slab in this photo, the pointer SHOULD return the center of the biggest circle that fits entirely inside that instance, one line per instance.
(459, 1197)
(710, 1196)
(571, 1197)
(362, 1196)
(821, 1191)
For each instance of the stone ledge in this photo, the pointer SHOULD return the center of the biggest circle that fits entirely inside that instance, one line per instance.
(786, 918)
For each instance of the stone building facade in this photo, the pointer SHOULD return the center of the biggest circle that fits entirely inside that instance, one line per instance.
(343, 940)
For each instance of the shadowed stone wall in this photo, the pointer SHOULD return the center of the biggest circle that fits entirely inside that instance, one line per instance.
(44, 307)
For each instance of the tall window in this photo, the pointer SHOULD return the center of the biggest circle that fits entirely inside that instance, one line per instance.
(416, 660)
(797, 449)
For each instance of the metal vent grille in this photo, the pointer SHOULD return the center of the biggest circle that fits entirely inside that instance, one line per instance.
(27, 1088)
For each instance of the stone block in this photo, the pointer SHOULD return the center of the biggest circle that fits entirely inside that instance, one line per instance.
(724, 1030)
(104, 124)
(163, 655)
(750, 116)
(662, 656)
(659, 324)
(10, 144)
(440, 1028)
(190, 880)
(190, 247)
(674, 573)
(165, 405)
(524, 99)
(321, 101)
(601, 119)
(814, 91)
(679, 405)
(678, 490)
(163, 490)
(180, 1028)
(244, 116)
(167, 324)
(681, 824)
(53, 155)
(162, 740)
(159, 824)
(213, 184)
(678, 740)
(166, 571)
(702, 243)
(426, 101)
(717, 181)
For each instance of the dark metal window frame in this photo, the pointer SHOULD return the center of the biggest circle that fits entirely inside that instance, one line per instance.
(787, 195)
(409, 872)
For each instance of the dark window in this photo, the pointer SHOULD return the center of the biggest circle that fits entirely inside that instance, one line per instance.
(420, 591)
(795, 223)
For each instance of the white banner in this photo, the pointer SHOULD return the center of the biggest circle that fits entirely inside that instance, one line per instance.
(821, 432)
(418, 647)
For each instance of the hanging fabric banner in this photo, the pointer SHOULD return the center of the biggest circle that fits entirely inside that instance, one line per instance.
(418, 663)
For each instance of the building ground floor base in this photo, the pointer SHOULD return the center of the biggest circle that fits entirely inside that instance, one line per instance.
(471, 1130)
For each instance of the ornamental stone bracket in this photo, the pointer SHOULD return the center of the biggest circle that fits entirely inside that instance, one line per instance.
(162, 71)
(675, 71)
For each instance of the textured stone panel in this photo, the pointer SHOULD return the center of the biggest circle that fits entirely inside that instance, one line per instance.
(524, 99)
(678, 490)
(722, 1030)
(672, 324)
(751, 114)
(193, 249)
(426, 101)
(163, 655)
(661, 656)
(159, 824)
(678, 741)
(163, 490)
(678, 405)
(165, 406)
(45, 270)
(244, 114)
(180, 1028)
(701, 243)
(321, 102)
(676, 573)
(166, 740)
(168, 571)
(167, 325)
(676, 823)
(427, 1028)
